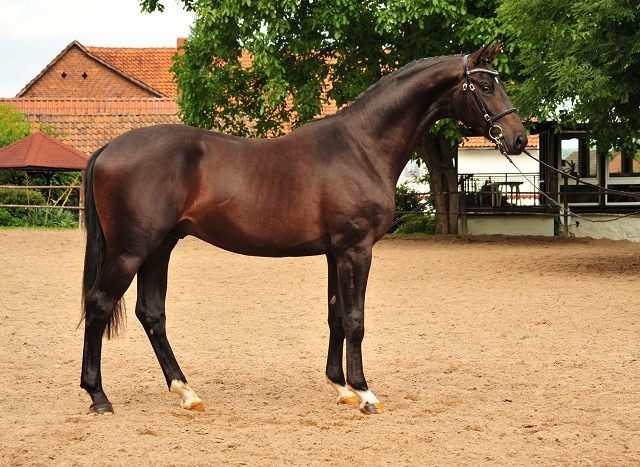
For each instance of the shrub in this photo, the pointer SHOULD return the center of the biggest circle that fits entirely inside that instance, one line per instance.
(11, 216)
(6, 219)
(33, 217)
(412, 202)
(18, 196)
(417, 224)
(59, 218)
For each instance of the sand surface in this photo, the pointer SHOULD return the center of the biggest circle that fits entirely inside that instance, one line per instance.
(483, 351)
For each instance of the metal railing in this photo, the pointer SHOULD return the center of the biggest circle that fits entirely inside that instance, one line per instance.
(493, 190)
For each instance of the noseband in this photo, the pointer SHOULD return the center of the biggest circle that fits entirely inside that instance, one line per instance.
(492, 132)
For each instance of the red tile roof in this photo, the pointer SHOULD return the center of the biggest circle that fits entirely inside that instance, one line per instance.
(93, 106)
(88, 124)
(615, 164)
(148, 65)
(42, 151)
(481, 142)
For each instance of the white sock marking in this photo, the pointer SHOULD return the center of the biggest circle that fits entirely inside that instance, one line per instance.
(188, 396)
(365, 397)
(343, 392)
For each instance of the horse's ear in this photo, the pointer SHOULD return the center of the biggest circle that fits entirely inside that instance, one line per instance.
(485, 55)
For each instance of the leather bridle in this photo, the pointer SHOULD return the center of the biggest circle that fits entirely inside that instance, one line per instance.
(492, 131)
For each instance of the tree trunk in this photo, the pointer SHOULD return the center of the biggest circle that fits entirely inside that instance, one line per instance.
(438, 153)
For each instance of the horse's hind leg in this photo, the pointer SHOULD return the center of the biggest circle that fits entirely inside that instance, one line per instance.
(100, 305)
(335, 373)
(150, 310)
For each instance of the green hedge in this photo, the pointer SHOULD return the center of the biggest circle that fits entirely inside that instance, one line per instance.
(33, 217)
(417, 224)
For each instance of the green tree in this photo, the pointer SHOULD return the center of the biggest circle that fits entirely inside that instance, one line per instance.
(13, 125)
(577, 61)
(305, 53)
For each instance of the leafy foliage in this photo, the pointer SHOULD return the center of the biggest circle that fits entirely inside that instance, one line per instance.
(23, 197)
(13, 125)
(413, 224)
(39, 217)
(150, 6)
(33, 217)
(304, 54)
(7, 219)
(408, 199)
(579, 61)
(50, 218)
(12, 216)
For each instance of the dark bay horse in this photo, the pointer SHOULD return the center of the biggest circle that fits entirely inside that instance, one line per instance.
(326, 188)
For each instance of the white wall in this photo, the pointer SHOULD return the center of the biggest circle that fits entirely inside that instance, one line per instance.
(510, 225)
(479, 161)
(627, 228)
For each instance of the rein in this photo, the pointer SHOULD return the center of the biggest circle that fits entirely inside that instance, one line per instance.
(557, 204)
(468, 85)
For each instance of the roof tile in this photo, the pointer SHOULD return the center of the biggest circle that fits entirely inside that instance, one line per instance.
(42, 151)
(93, 106)
(483, 143)
(88, 124)
(148, 65)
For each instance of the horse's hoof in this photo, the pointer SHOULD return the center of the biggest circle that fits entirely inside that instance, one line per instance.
(370, 409)
(101, 408)
(194, 405)
(349, 400)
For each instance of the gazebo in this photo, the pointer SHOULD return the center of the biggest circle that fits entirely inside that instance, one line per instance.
(41, 152)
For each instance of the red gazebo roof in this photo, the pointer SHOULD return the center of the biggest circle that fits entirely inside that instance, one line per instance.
(41, 151)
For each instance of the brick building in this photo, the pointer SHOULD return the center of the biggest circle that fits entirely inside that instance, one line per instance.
(92, 94)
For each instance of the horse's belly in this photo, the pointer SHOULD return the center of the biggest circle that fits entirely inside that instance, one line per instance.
(263, 235)
(253, 246)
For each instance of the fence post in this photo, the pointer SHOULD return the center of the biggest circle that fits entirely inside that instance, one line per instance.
(565, 214)
(462, 196)
(81, 201)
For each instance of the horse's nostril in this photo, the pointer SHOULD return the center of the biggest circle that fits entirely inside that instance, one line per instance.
(521, 141)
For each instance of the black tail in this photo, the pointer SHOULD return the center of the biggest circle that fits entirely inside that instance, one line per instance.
(96, 252)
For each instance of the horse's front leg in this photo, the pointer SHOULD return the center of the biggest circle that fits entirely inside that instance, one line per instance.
(335, 373)
(353, 271)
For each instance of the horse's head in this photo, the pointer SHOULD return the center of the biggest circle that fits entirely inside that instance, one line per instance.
(482, 102)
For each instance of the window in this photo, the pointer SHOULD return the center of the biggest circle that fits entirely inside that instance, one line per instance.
(623, 165)
(578, 158)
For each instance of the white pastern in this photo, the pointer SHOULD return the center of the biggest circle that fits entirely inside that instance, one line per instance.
(190, 400)
(344, 395)
(365, 397)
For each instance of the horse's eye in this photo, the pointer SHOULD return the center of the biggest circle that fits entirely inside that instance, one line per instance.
(486, 88)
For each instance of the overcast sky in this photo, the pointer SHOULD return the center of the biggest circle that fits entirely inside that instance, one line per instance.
(33, 32)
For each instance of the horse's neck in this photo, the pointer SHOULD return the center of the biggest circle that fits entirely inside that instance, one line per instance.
(396, 116)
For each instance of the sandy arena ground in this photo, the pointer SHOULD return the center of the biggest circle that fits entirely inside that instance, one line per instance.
(483, 351)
